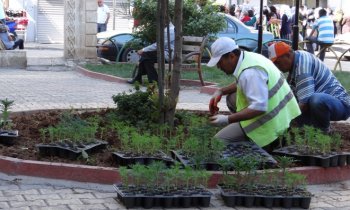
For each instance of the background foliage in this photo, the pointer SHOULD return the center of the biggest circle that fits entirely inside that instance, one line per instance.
(199, 19)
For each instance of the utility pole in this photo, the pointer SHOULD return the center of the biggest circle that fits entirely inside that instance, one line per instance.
(296, 27)
(260, 27)
(114, 5)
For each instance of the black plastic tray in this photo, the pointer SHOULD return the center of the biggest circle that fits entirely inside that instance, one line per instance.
(8, 137)
(147, 201)
(233, 199)
(124, 160)
(69, 152)
(250, 148)
(326, 161)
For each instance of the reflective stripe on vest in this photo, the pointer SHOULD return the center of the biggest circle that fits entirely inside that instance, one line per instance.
(277, 86)
(267, 117)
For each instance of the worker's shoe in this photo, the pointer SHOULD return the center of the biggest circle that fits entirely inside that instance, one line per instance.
(133, 80)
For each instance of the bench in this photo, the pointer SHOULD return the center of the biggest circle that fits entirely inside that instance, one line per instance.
(192, 51)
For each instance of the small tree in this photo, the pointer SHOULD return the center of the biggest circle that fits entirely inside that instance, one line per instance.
(5, 124)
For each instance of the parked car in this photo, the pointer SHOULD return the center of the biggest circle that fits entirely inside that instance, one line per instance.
(246, 37)
(110, 45)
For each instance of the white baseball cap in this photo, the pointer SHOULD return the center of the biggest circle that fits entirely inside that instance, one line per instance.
(220, 47)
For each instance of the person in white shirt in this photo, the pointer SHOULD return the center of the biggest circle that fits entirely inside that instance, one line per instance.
(103, 15)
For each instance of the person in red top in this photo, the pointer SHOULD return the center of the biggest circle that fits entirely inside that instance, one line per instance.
(245, 17)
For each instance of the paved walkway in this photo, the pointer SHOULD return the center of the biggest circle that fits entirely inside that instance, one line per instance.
(35, 90)
(28, 193)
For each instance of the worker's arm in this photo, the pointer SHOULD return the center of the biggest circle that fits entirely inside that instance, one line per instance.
(232, 88)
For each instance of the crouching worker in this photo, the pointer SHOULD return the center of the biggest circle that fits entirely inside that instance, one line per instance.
(320, 95)
(261, 102)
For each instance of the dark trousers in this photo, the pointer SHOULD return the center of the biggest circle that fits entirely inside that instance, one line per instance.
(310, 48)
(101, 27)
(146, 67)
(18, 43)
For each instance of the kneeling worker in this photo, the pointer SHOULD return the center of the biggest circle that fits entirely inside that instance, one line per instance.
(320, 95)
(265, 104)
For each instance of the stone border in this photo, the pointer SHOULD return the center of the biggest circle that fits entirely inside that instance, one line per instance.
(209, 87)
(108, 175)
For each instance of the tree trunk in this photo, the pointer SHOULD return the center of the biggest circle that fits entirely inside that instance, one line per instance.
(175, 78)
(161, 6)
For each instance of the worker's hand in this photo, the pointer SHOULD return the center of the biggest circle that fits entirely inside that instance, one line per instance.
(140, 52)
(213, 104)
(219, 119)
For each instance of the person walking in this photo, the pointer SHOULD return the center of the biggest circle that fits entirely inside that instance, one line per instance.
(345, 23)
(262, 104)
(324, 26)
(320, 95)
(103, 15)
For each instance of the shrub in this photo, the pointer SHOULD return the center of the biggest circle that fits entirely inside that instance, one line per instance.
(196, 22)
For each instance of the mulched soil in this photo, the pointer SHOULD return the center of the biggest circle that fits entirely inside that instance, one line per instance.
(29, 123)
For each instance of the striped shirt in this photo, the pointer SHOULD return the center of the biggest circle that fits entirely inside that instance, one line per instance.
(325, 28)
(310, 75)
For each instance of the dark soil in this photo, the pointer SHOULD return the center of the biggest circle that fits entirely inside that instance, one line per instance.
(29, 123)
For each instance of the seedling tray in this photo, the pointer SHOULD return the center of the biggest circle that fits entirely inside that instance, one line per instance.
(329, 160)
(124, 159)
(237, 149)
(8, 137)
(300, 199)
(132, 198)
(70, 151)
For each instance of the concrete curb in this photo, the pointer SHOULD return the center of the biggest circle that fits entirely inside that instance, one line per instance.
(209, 87)
(108, 175)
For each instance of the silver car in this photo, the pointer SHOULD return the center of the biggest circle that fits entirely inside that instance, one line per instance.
(246, 37)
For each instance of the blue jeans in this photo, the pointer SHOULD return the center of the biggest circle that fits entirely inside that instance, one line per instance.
(101, 27)
(323, 108)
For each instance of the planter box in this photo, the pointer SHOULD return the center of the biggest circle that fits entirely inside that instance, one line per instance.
(123, 159)
(326, 161)
(8, 137)
(237, 149)
(132, 198)
(301, 199)
(70, 151)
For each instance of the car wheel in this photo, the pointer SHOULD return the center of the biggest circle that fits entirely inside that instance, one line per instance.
(130, 55)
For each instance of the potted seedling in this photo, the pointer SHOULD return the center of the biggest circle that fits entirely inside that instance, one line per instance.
(155, 186)
(70, 138)
(271, 188)
(7, 134)
(139, 147)
(313, 147)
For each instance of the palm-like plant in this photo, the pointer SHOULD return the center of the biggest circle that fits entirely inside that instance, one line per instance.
(4, 121)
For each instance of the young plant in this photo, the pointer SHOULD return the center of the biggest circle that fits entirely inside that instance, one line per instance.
(5, 123)
(124, 175)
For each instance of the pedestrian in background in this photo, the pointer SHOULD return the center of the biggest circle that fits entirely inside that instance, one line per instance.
(325, 28)
(2, 12)
(103, 15)
(346, 23)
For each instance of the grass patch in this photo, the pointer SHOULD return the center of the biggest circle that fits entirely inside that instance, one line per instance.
(125, 70)
(344, 78)
(210, 74)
